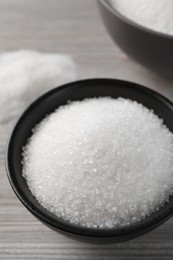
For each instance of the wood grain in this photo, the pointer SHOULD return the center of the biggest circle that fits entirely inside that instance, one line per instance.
(73, 27)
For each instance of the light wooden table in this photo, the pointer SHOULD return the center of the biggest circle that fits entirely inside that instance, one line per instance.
(73, 27)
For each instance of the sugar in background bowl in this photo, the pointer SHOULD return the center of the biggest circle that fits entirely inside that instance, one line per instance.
(152, 49)
(48, 103)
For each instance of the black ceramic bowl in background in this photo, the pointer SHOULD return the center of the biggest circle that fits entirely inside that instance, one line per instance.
(152, 49)
(48, 103)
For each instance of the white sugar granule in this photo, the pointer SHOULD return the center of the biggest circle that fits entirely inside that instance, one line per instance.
(100, 162)
(25, 75)
(153, 14)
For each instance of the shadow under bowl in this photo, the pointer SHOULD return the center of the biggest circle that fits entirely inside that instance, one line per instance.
(152, 49)
(45, 105)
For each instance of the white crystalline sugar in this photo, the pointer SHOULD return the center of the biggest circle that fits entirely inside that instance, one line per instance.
(100, 162)
(154, 14)
(25, 75)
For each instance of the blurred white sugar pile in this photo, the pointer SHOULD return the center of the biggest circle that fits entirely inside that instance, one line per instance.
(26, 74)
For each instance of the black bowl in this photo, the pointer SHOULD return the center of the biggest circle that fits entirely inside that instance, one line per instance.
(152, 49)
(47, 104)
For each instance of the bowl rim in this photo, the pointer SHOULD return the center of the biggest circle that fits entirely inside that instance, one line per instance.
(115, 11)
(67, 227)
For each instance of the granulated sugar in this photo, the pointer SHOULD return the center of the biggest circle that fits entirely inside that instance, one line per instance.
(100, 162)
(25, 75)
(153, 14)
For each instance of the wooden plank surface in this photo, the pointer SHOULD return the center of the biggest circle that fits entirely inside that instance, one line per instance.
(73, 27)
